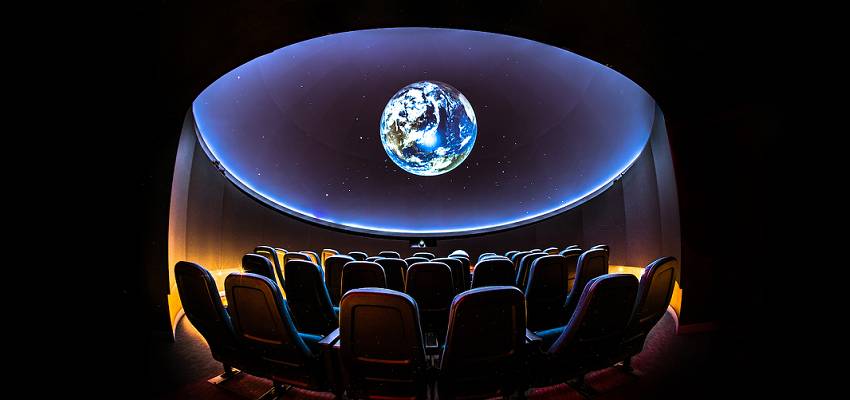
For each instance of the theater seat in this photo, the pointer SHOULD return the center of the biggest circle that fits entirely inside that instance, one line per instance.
(263, 323)
(461, 253)
(274, 255)
(295, 256)
(466, 270)
(312, 255)
(373, 258)
(333, 276)
(389, 254)
(361, 274)
(308, 298)
(327, 253)
(516, 258)
(653, 297)
(572, 256)
(603, 247)
(484, 348)
(456, 265)
(395, 269)
(257, 264)
(358, 255)
(430, 284)
(551, 250)
(381, 347)
(569, 248)
(546, 292)
(491, 256)
(493, 272)
(590, 264)
(202, 304)
(482, 255)
(593, 332)
(424, 254)
(524, 266)
(413, 260)
(511, 253)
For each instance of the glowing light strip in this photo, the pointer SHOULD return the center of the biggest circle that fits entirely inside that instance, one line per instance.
(376, 230)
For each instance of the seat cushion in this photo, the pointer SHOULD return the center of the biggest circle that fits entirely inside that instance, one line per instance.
(550, 335)
(312, 341)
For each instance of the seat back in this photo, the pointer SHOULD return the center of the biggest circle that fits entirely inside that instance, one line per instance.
(358, 255)
(327, 253)
(263, 322)
(590, 264)
(292, 255)
(274, 255)
(593, 333)
(511, 253)
(362, 274)
(308, 298)
(456, 265)
(603, 247)
(466, 270)
(461, 253)
(524, 266)
(257, 264)
(381, 345)
(389, 254)
(546, 292)
(493, 272)
(572, 256)
(551, 250)
(312, 256)
(489, 256)
(430, 284)
(425, 254)
(653, 297)
(333, 276)
(482, 255)
(395, 269)
(268, 252)
(202, 305)
(413, 260)
(569, 248)
(516, 258)
(483, 353)
(373, 258)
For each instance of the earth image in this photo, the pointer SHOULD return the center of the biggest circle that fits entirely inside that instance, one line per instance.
(428, 128)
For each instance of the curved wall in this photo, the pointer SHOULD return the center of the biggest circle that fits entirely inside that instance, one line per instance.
(214, 223)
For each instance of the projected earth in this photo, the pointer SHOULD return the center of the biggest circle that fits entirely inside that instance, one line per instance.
(428, 128)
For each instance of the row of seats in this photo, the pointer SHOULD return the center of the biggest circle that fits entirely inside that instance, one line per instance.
(545, 279)
(380, 332)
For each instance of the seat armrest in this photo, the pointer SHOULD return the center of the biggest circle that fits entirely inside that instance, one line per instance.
(330, 339)
(530, 337)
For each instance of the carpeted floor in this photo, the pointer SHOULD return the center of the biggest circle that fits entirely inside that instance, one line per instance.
(671, 366)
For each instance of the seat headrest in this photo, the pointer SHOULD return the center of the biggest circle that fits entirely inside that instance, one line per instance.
(570, 251)
(299, 267)
(459, 253)
(389, 254)
(339, 258)
(414, 260)
(292, 255)
(424, 254)
(259, 265)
